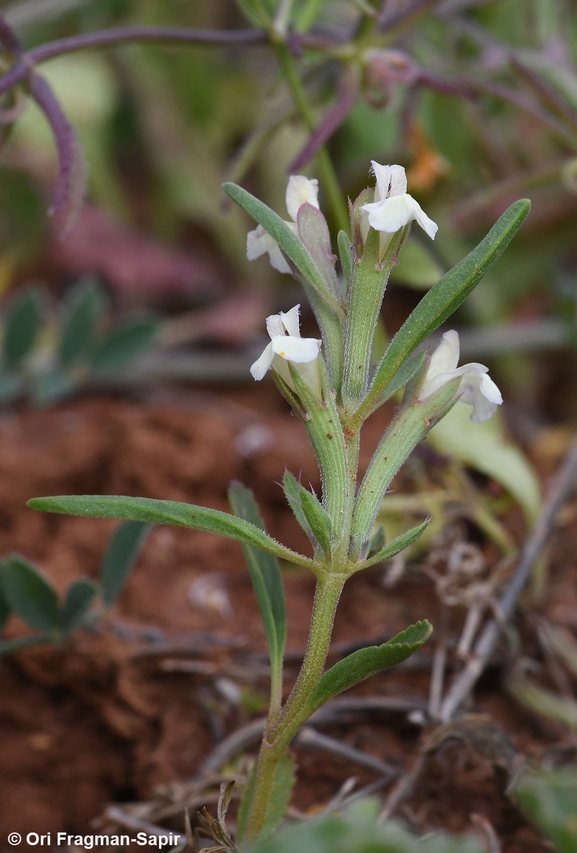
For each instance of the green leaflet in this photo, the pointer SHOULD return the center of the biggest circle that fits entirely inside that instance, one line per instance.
(168, 512)
(120, 557)
(443, 299)
(366, 662)
(549, 797)
(291, 245)
(79, 597)
(29, 594)
(266, 578)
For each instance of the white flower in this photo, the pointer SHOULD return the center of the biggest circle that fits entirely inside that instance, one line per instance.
(300, 190)
(393, 207)
(477, 389)
(287, 345)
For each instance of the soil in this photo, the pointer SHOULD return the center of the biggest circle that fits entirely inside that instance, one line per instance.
(130, 710)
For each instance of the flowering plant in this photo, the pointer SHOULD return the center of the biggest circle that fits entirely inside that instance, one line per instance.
(330, 386)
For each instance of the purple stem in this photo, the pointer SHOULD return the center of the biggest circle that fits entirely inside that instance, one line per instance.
(330, 123)
(22, 68)
(64, 136)
(9, 38)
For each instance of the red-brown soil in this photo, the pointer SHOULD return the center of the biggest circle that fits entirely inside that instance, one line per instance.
(134, 706)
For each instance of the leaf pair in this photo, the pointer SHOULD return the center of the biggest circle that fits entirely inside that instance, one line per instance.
(25, 591)
(81, 348)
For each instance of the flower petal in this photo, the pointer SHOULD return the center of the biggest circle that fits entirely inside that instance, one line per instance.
(391, 214)
(274, 325)
(429, 227)
(301, 190)
(298, 350)
(258, 242)
(398, 181)
(262, 364)
(290, 321)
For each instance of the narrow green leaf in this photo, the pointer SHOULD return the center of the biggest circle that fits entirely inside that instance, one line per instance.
(318, 519)
(266, 578)
(168, 512)
(444, 298)
(79, 596)
(366, 662)
(345, 254)
(282, 787)
(126, 340)
(80, 322)
(121, 555)
(29, 593)
(549, 798)
(292, 491)
(399, 544)
(403, 376)
(21, 327)
(291, 245)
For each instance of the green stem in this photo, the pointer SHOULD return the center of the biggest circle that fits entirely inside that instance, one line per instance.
(293, 715)
(326, 169)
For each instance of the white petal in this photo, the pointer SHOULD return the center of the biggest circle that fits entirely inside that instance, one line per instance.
(480, 392)
(274, 325)
(429, 227)
(301, 190)
(262, 364)
(391, 214)
(398, 180)
(383, 178)
(278, 260)
(258, 242)
(290, 321)
(446, 355)
(298, 350)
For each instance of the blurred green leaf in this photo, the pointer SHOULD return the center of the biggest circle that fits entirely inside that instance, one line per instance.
(544, 702)
(30, 595)
(358, 830)
(266, 579)
(22, 323)
(79, 596)
(49, 386)
(5, 608)
(80, 322)
(486, 448)
(121, 555)
(366, 662)
(7, 646)
(167, 512)
(124, 342)
(11, 387)
(549, 798)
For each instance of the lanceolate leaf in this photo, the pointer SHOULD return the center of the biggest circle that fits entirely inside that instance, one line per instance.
(318, 519)
(266, 579)
(366, 662)
(291, 245)
(30, 594)
(168, 512)
(79, 325)
(445, 297)
(282, 786)
(291, 488)
(79, 597)
(121, 555)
